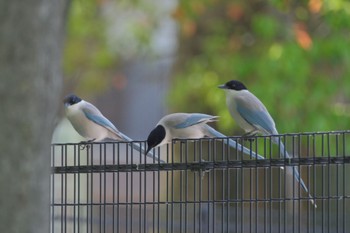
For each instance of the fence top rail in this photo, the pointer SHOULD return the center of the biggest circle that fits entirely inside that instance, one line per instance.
(286, 135)
(202, 165)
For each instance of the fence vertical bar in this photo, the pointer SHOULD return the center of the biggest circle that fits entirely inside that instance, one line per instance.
(154, 192)
(158, 196)
(118, 186)
(250, 191)
(182, 154)
(62, 190)
(105, 190)
(228, 195)
(271, 190)
(329, 181)
(186, 184)
(113, 189)
(131, 189)
(265, 190)
(145, 192)
(87, 192)
(167, 192)
(53, 190)
(92, 189)
(74, 191)
(337, 182)
(223, 174)
(100, 189)
(322, 170)
(200, 189)
(127, 193)
(256, 201)
(344, 183)
(172, 192)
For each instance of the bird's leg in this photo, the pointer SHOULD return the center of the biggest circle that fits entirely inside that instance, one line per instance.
(85, 144)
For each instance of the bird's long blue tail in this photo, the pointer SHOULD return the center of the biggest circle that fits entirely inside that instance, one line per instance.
(138, 147)
(233, 143)
(285, 154)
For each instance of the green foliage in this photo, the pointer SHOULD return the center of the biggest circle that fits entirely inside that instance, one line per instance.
(87, 59)
(102, 35)
(264, 26)
(293, 58)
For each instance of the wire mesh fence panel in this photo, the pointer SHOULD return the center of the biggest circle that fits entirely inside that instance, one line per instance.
(204, 186)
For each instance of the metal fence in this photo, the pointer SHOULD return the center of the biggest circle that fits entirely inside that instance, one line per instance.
(205, 186)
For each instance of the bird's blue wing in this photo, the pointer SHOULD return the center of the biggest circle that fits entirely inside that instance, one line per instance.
(93, 114)
(256, 116)
(104, 122)
(99, 119)
(194, 119)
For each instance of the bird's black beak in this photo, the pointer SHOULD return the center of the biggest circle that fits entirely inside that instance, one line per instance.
(66, 101)
(148, 149)
(222, 86)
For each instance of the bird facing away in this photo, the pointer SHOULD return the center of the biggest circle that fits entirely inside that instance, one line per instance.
(252, 116)
(89, 122)
(188, 126)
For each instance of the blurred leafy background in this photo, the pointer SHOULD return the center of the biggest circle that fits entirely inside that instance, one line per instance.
(293, 55)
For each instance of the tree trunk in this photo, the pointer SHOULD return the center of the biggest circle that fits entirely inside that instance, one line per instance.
(31, 42)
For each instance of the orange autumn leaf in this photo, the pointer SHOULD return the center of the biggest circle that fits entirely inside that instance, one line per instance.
(119, 81)
(178, 13)
(234, 12)
(198, 7)
(302, 36)
(315, 5)
(101, 2)
(189, 28)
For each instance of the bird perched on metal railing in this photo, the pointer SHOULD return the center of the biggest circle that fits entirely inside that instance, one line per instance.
(90, 123)
(252, 116)
(189, 126)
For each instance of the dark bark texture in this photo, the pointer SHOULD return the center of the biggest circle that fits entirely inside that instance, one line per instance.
(31, 39)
